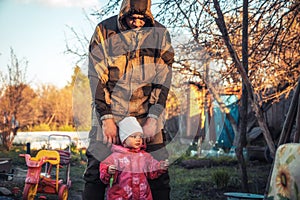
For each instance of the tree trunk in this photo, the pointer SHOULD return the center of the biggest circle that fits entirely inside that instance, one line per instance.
(287, 126)
(297, 134)
(244, 103)
(7, 139)
(51, 119)
(288, 123)
(259, 114)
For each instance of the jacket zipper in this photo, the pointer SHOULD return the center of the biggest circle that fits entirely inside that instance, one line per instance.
(143, 68)
(126, 65)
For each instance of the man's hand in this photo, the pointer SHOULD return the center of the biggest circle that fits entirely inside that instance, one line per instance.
(150, 128)
(109, 130)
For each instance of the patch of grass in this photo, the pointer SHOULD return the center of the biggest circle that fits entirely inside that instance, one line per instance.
(221, 177)
(182, 181)
(223, 160)
(194, 183)
(14, 155)
(186, 183)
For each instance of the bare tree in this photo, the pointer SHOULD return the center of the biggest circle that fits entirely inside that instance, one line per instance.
(54, 107)
(77, 43)
(15, 100)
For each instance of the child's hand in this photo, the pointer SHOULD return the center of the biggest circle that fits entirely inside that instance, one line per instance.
(164, 164)
(112, 169)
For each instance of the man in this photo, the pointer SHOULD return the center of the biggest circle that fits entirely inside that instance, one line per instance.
(130, 58)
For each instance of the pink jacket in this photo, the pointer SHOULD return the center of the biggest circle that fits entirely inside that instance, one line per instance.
(133, 169)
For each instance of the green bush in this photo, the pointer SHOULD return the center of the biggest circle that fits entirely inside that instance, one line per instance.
(221, 178)
(41, 127)
(66, 128)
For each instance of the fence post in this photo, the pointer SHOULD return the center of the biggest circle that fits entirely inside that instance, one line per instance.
(28, 148)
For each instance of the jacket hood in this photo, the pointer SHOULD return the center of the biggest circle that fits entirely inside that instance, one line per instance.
(129, 7)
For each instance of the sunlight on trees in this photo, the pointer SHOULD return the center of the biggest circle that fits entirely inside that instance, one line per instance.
(46, 108)
(15, 97)
(81, 100)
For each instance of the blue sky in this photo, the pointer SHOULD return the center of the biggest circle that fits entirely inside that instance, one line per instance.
(37, 30)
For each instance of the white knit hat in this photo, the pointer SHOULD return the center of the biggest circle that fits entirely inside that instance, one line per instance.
(128, 126)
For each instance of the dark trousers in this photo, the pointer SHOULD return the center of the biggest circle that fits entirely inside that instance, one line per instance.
(94, 189)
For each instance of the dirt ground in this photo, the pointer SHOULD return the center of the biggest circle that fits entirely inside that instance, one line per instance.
(15, 186)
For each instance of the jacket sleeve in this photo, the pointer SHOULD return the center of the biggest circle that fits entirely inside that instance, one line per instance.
(153, 167)
(103, 169)
(167, 52)
(98, 73)
(162, 82)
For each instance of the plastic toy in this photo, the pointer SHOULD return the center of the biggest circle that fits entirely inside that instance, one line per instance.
(48, 182)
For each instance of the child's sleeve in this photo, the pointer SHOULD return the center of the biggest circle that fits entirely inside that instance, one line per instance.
(154, 169)
(103, 169)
